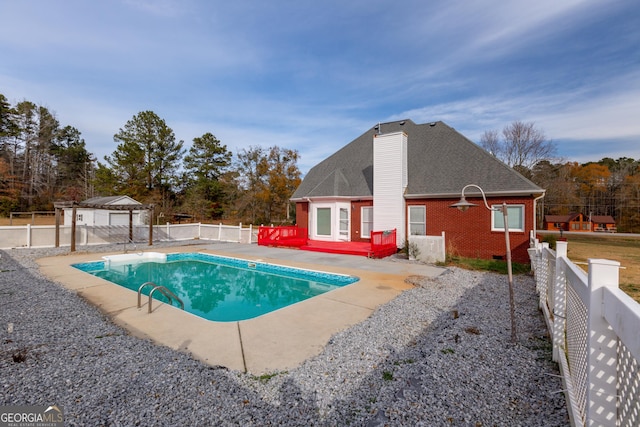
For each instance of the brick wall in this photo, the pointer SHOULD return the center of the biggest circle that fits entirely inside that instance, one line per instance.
(469, 234)
(356, 219)
(302, 215)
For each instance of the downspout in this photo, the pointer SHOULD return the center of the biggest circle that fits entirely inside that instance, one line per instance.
(308, 217)
(535, 226)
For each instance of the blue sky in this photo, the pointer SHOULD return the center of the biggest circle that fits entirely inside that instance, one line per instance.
(315, 75)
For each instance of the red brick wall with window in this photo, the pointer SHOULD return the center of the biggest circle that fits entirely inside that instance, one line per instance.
(469, 234)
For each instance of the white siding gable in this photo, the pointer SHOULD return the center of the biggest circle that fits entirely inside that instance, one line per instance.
(389, 182)
(124, 200)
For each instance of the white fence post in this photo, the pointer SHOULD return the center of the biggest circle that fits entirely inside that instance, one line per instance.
(602, 347)
(559, 301)
(219, 231)
(28, 235)
(551, 274)
(543, 281)
(240, 233)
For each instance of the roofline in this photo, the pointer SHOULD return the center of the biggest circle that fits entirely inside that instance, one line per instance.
(129, 207)
(475, 194)
(319, 198)
(428, 196)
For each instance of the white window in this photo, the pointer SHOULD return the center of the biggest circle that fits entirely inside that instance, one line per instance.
(323, 221)
(367, 221)
(515, 214)
(417, 221)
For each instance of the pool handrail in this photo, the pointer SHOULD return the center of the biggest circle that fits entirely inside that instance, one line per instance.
(126, 242)
(167, 293)
(145, 284)
(163, 290)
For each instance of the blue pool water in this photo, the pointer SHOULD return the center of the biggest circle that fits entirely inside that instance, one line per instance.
(219, 288)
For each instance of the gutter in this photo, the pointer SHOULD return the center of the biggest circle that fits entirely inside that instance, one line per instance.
(535, 202)
(323, 198)
(472, 194)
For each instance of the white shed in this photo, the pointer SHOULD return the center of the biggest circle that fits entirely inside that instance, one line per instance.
(91, 216)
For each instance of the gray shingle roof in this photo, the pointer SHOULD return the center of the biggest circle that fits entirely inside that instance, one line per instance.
(441, 161)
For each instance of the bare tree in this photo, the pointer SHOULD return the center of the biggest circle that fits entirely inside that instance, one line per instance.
(490, 141)
(522, 146)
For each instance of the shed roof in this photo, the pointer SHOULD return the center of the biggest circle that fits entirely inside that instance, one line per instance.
(110, 200)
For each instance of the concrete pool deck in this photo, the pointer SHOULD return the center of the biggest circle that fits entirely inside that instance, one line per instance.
(276, 341)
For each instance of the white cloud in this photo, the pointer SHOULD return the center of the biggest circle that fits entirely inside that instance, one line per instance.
(311, 77)
(611, 114)
(167, 8)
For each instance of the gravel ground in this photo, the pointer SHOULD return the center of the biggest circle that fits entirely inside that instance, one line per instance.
(437, 355)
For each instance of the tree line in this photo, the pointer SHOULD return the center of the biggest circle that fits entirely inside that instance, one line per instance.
(42, 161)
(607, 187)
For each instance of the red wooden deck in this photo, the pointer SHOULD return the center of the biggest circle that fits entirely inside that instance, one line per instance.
(348, 248)
(383, 243)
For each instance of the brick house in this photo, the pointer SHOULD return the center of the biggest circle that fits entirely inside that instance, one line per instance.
(405, 176)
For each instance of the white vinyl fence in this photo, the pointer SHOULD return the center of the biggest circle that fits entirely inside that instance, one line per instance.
(41, 236)
(429, 249)
(595, 330)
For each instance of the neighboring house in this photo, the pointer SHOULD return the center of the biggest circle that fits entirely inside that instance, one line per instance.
(579, 222)
(569, 222)
(604, 223)
(93, 216)
(406, 176)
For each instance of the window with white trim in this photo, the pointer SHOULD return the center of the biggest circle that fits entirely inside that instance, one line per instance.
(323, 221)
(515, 214)
(417, 221)
(366, 225)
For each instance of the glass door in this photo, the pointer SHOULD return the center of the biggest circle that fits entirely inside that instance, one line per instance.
(344, 224)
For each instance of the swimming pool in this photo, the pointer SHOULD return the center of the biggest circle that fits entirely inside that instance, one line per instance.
(217, 288)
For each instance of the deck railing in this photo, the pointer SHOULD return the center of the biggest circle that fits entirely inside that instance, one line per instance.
(292, 236)
(594, 327)
(383, 243)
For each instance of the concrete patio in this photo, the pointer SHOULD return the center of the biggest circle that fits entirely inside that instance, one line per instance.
(276, 341)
